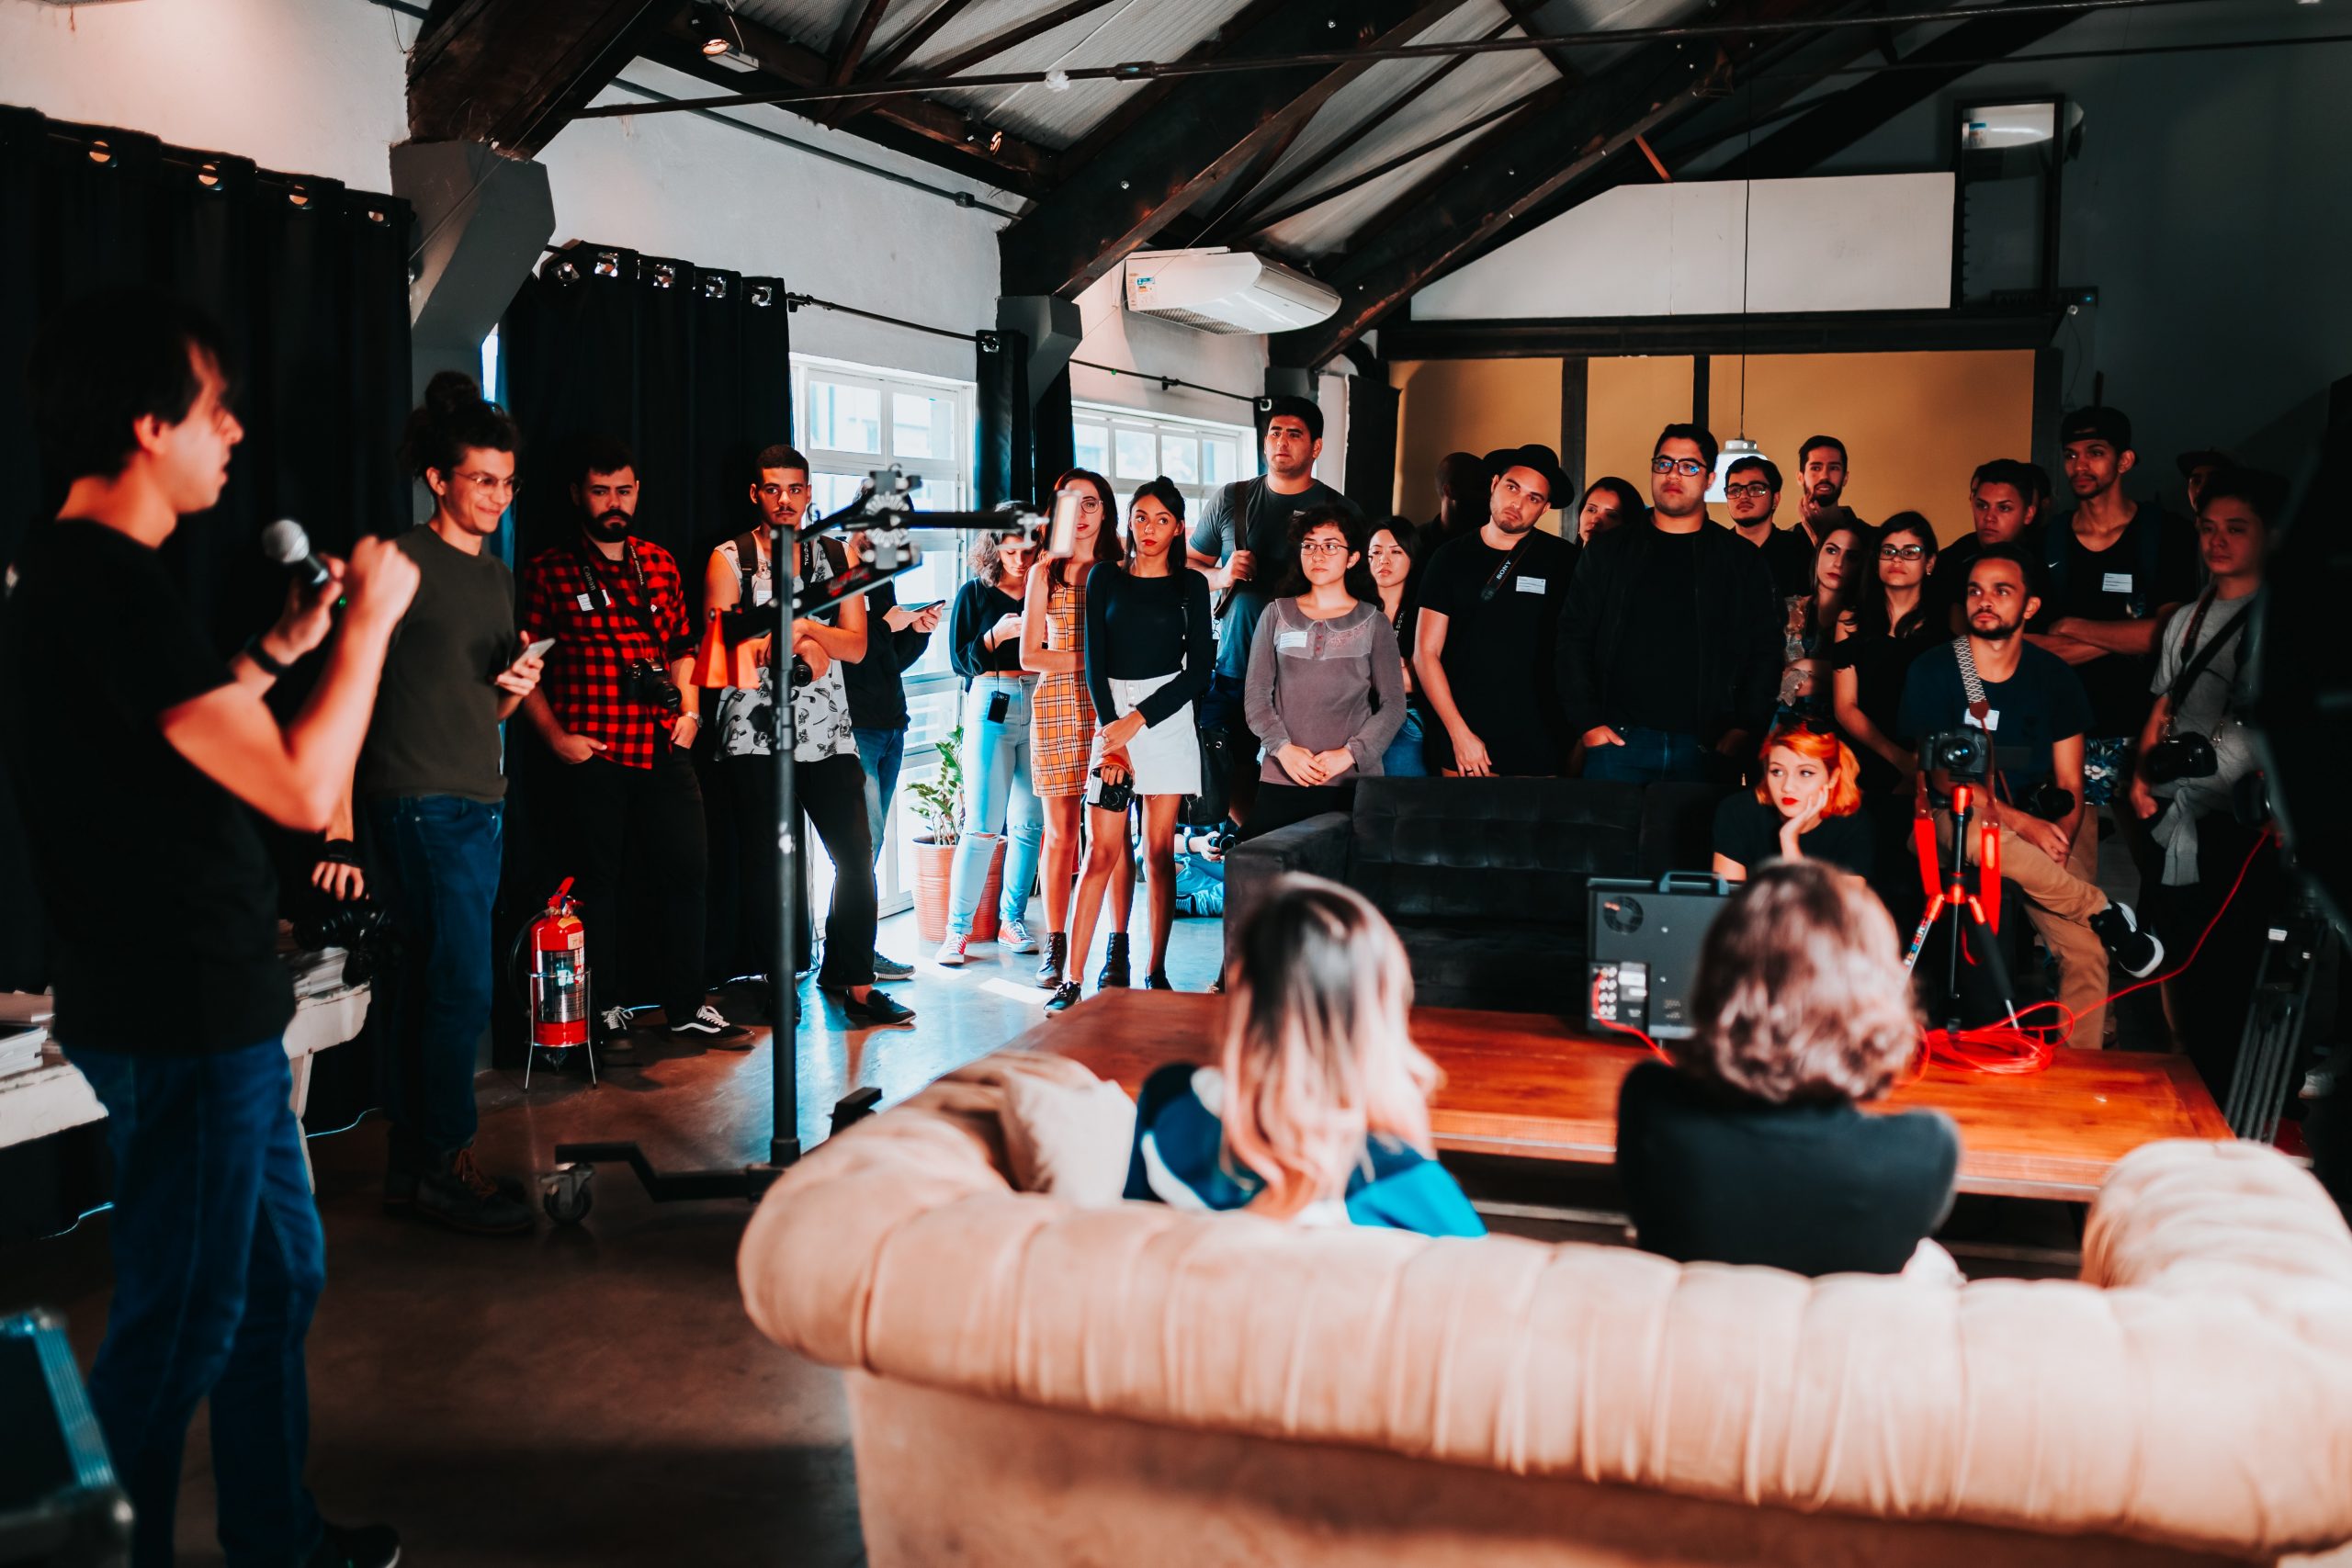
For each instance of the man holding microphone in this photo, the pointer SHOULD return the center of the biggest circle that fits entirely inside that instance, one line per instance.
(141, 755)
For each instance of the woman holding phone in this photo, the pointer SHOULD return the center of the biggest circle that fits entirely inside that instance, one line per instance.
(1150, 648)
(1062, 715)
(984, 645)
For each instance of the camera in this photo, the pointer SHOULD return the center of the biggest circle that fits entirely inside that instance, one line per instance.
(2179, 757)
(647, 682)
(1965, 754)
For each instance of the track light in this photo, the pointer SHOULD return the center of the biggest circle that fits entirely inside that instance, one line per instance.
(712, 33)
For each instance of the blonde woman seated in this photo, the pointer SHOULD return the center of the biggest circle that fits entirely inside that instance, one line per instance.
(1318, 1110)
(1805, 808)
(1753, 1147)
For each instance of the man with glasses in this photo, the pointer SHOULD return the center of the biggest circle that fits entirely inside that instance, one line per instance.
(618, 709)
(1670, 640)
(1752, 486)
(1238, 545)
(1490, 611)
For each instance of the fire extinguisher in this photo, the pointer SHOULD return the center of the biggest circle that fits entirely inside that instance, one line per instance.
(559, 974)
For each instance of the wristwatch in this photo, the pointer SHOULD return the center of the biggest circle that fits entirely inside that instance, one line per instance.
(261, 656)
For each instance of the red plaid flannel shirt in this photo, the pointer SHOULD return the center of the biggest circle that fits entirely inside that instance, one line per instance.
(596, 637)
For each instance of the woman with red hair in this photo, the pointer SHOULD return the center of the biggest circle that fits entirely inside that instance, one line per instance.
(1805, 808)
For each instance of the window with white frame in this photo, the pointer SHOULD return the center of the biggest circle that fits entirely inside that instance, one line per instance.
(1128, 447)
(853, 419)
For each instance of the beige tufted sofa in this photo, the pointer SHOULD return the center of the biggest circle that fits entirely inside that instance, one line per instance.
(1042, 1377)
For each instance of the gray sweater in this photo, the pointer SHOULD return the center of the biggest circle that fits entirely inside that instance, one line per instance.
(1314, 684)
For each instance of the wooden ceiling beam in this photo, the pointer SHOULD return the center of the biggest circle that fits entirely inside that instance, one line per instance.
(513, 73)
(849, 43)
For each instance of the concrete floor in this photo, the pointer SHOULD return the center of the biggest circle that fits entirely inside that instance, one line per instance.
(592, 1395)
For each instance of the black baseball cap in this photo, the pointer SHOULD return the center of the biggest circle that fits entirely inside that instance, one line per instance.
(1540, 458)
(2096, 423)
(2204, 458)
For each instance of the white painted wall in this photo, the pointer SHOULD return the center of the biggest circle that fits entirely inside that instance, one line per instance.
(1877, 242)
(305, 87)
(1143, 349)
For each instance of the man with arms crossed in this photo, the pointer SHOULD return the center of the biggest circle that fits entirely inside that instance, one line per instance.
(2035, 711)
(137, 775)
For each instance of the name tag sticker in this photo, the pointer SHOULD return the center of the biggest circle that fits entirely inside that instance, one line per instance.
(2115, 582)
(1285, 641)
(1992, 721)
(1532, 585)
(586, 603)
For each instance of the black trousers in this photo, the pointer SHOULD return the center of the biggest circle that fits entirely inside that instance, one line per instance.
(1280, 804)
(632, 840)
(832, 794)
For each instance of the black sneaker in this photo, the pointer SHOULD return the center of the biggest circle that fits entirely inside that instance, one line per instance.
(2137, 953)
(456, 1193)
(356, 1546)
(888, 969)
(1065, 997)
(880, 1007)
(1114, 963)
(711, 1025)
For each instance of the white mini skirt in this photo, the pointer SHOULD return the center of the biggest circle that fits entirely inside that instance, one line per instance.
(1166, 755)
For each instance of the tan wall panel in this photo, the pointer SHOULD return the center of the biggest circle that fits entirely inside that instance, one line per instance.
(1469, 405)
(1627, 402)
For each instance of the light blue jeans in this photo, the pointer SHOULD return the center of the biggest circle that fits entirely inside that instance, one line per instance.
(999, 800)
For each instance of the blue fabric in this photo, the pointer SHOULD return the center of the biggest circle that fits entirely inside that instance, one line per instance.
(879, 752)
(1200, 886)
(1394, 1186)
(218, 1262)
(1405, 758)
(997, 800)
(1649, 756)
(437, 877)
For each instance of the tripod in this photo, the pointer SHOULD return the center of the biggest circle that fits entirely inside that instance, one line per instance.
(1963, 911)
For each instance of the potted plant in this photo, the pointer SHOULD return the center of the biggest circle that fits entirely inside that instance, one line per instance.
(939, 802)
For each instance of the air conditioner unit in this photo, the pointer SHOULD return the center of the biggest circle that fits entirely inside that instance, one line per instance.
(1220, 290)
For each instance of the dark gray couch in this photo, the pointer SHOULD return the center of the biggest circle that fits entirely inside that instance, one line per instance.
(1484, 878)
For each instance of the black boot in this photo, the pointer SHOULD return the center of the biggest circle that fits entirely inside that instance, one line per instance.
(452, 1191)
(1114, 963)
(1049, 973)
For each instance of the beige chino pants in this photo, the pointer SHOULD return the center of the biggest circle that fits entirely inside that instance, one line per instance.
(2060, 902)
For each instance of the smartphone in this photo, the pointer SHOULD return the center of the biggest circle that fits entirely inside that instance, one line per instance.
(1000, 704)
(539, 649)
(926, 609)
(1061, 531)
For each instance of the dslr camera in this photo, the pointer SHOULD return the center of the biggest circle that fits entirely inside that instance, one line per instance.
(648, 683)
(1965, 754)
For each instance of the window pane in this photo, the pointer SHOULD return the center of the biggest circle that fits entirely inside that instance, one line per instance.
(931, 715)
(843, 418)
(1136, 455)
(1180, 458)
(921, 426)
(1094, 447)
(833, 491)
(1221, 461)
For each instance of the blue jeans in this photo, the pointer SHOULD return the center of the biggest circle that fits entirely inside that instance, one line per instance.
(437, 874)
(1649, 756)
(218, 1262)
(879, 752)
(1406, 757)
(998, 799)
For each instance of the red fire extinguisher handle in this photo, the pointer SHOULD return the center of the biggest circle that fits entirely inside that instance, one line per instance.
(556, 902)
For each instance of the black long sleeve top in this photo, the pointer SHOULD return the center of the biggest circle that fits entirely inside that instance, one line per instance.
(1139, 628)
(977, 606)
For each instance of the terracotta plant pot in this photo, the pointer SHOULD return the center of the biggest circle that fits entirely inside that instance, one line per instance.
(934, 875)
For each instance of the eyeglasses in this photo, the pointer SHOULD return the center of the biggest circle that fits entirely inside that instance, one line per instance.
(1324, 548)
(1688, 468)
(1756, 491)
(490, 482)
(1901, 552)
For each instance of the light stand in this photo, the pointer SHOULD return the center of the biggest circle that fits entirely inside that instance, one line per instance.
(883, 509)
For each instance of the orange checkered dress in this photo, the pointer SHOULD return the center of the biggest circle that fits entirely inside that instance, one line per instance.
(1061, 716)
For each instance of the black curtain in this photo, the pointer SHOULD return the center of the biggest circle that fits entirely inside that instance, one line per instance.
(1002, 410)
(692, 367)
(1371, 469)
(308, 281)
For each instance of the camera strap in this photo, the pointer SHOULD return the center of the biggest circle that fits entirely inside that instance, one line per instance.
(2194, 664)
(636, 611)
(1980, 706)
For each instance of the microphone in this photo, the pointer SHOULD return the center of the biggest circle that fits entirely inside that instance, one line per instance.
(284, 542)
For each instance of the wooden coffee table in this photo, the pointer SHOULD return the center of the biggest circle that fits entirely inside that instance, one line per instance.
(1527, 1086)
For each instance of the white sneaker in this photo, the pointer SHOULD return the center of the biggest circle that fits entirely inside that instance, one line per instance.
(1014, 937)
(951, 952)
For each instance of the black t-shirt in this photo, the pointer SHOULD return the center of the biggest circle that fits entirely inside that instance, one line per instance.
(1882, 663)
(1716, 1177)
(435, 730)
(1788, 552)
(1499, 647)
(876, 685)
(155, 880)
(1748, 831)
(2040, 704)
(1658, 668)
(2128, 581)
(1266, 534)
